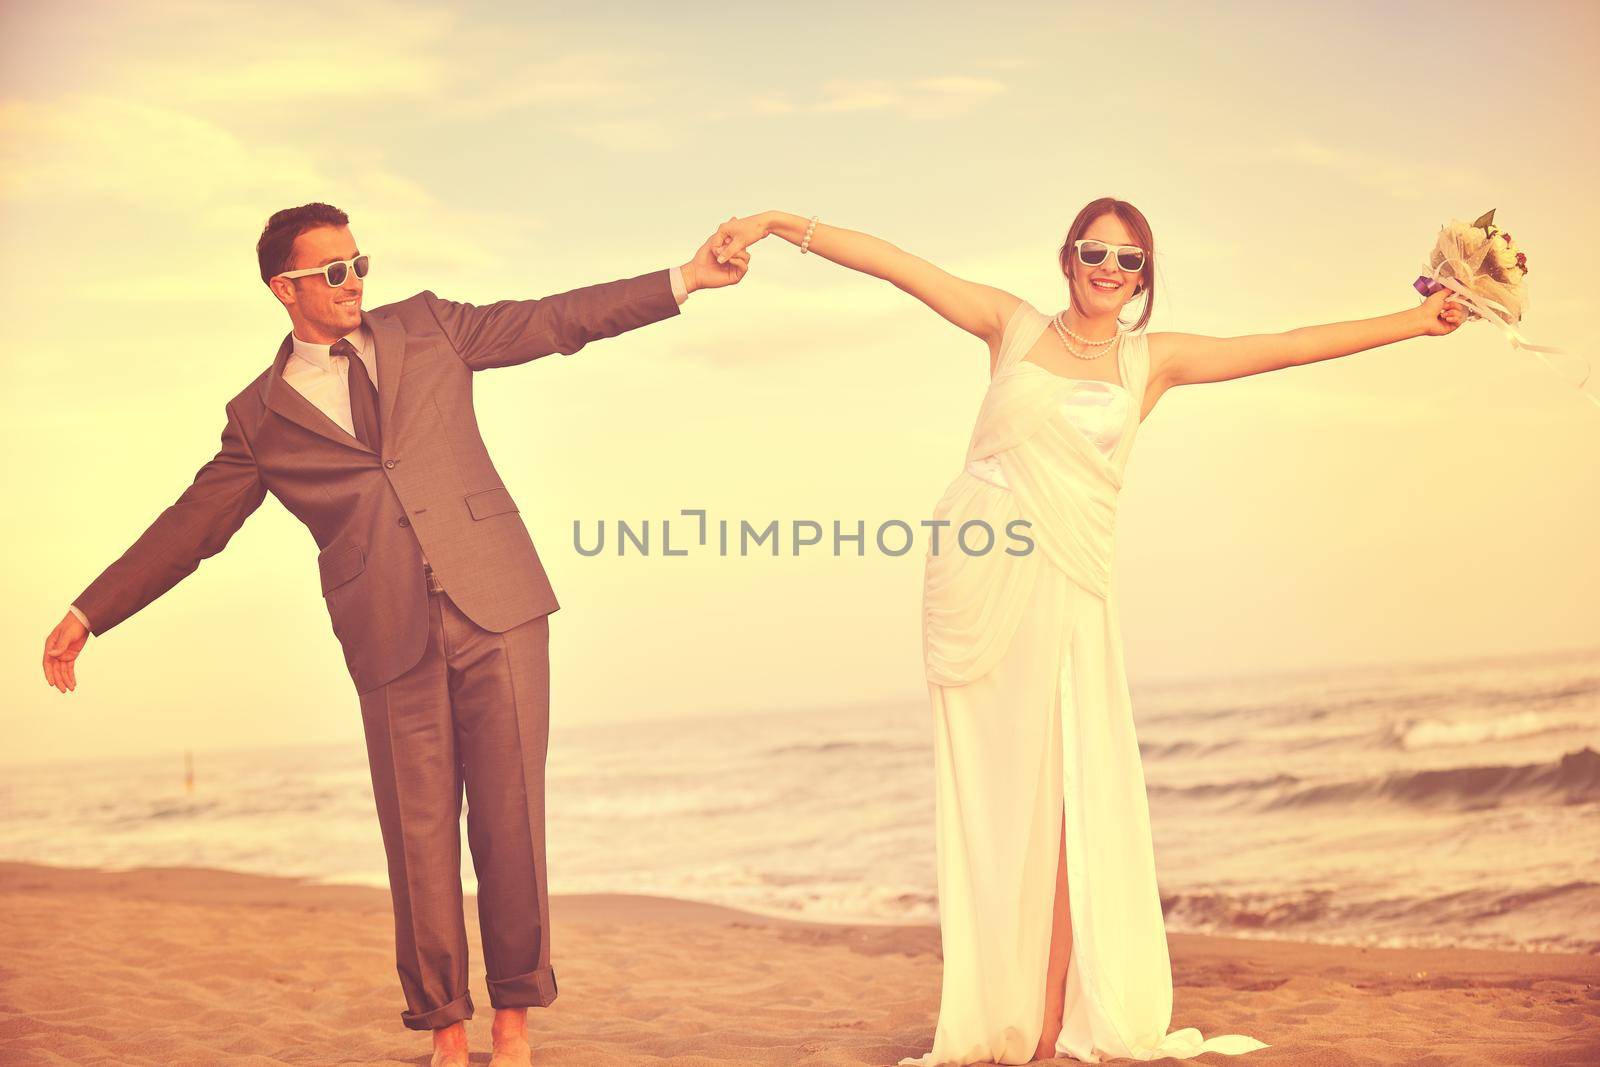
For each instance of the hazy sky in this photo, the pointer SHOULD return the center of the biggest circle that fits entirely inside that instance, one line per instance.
(1434, 498)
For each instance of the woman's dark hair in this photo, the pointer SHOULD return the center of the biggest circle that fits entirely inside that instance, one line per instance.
(272, 250)
(1134, 220)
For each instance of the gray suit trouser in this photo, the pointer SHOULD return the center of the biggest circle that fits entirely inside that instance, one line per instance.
(475, 710)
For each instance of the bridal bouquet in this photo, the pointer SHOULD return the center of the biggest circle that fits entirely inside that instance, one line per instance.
(1488, 273)
(1481, 264)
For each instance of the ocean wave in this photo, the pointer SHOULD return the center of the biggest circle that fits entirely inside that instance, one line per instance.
(1573, 779)
(1483, 917)
(1415, 734)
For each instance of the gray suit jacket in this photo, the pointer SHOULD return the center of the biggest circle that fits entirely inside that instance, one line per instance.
(433, 484)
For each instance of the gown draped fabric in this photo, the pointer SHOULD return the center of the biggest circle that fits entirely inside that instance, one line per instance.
(1033, 725)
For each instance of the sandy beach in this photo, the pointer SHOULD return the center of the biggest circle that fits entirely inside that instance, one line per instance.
(196, 966)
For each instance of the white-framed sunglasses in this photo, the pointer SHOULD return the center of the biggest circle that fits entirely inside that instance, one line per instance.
(1092, 253)
(335, 273)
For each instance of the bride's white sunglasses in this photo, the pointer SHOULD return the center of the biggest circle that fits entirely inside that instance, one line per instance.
(336, 272)
(1092, 253)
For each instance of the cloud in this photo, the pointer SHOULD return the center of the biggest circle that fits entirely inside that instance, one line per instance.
(206, 57)
(130, 168)
(930, 97)
(624, 135)
(92, 145)
(621, 101)
(1404, 181)
(557, 84)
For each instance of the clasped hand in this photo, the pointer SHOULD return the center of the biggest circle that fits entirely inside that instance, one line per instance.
(711, 269)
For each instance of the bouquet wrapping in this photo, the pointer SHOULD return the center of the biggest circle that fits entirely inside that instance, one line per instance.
(1488, 273)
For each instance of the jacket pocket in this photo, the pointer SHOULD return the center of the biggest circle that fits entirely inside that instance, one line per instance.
(496, 501)
(337, 565)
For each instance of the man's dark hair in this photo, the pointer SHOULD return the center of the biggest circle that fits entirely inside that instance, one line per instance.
(272, 250)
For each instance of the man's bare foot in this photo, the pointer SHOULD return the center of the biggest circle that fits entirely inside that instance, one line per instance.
(510, 1036)
(450, 1046)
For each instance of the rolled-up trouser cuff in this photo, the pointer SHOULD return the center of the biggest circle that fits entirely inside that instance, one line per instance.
(453, 1012)
(535, 989)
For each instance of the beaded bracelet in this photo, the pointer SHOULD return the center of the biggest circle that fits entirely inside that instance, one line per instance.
(807, 239)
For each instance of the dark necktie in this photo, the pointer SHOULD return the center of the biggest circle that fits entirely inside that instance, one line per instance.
(363, 397)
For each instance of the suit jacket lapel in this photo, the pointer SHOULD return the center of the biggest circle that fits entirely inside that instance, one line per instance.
(286, 400)
(391, 342)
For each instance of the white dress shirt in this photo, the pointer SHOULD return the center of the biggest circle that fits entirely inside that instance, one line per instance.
(324, 379)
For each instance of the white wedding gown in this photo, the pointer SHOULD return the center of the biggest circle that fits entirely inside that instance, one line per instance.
(1033, 723)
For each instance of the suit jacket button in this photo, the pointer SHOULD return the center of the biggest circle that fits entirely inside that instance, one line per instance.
(404, 521)
(388, 463)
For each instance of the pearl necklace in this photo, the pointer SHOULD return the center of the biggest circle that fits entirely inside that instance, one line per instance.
(1062, 332)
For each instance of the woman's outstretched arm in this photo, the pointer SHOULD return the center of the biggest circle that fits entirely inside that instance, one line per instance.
(981, 310)
(1188, 358)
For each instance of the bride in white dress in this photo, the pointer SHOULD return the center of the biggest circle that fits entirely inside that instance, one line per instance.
(1054, 940)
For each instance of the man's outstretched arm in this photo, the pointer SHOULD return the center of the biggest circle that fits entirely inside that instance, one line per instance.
(509, 332)
(196, 526)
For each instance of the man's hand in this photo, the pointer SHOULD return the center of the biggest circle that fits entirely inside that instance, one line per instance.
(705, 272)
(61, 649)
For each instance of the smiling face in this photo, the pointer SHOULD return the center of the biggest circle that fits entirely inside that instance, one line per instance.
(321, 313)
(1094, 300)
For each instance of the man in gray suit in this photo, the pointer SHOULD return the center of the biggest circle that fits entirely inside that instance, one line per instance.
(363, 427)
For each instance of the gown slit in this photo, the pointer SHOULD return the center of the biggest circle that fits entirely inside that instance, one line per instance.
(1072, 942)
